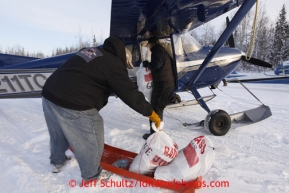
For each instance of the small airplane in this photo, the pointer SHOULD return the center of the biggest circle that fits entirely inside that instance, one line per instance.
(279, 76)
(195, 66)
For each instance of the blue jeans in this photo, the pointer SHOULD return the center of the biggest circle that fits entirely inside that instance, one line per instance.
(82, 130)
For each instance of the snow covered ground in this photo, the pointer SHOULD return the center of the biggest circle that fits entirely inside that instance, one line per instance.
(257, 162)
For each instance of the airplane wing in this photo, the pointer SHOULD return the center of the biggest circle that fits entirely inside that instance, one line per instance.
(131, 20)
(8, 59)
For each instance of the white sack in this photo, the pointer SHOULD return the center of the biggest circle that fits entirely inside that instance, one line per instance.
(192, 161)
(158, 150)
(144, 81)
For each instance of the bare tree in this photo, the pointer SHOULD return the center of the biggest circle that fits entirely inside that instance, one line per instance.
(205, 34)
(94, 43)
(81, 44)
(263, 38)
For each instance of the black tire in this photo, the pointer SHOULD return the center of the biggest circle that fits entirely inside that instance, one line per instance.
(175, 99)
(220, 123)
(178, 98)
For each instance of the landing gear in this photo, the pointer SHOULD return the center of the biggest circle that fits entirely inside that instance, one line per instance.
(217, 122)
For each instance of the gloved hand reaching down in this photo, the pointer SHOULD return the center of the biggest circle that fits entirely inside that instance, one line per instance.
(157, 124)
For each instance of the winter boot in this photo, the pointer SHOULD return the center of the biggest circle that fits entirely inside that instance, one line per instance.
(58, 168)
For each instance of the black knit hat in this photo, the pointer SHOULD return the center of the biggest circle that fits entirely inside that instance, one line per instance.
(154, 40)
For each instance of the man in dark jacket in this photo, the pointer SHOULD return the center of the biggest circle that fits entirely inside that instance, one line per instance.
(161, 66)
(75, 93)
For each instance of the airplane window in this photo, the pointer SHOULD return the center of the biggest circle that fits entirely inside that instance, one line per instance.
(166, 43)
(185, 44)
(179, 51)
(146, 53)
(186, 50)
(135, 58)
(134, 52)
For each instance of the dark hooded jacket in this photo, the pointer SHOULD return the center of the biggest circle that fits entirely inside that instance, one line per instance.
(88, 78)
(161, 64)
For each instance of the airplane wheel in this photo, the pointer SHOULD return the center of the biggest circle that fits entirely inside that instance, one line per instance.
(218, 122)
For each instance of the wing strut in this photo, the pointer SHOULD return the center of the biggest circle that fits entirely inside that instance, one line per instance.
(244, 9)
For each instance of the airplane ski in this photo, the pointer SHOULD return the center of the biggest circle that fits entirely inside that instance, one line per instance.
(242, 118)
(251, 116)
(112, 155)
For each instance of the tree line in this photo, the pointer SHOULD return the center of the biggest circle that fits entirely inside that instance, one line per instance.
(20, 51)
(271, 41)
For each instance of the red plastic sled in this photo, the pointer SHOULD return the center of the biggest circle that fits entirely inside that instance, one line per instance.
(112, 154)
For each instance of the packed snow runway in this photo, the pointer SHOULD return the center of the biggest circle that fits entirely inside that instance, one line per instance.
(255, 160)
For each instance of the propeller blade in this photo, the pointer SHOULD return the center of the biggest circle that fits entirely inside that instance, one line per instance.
(257, 62)
(231, 38)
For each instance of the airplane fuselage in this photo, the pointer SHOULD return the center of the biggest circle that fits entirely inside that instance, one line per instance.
(26, 79)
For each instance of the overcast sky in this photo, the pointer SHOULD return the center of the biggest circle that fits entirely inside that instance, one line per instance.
(44, 25)
(39, 25)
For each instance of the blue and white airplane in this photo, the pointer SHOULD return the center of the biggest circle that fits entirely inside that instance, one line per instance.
(195, 66)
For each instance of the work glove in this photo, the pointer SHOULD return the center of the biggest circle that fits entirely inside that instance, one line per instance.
(157, 124)
(145, 64)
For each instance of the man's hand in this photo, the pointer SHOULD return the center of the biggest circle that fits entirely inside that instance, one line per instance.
(145, 64)
(155, 119)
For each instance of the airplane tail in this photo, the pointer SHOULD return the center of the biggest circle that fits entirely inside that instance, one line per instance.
(7, 59)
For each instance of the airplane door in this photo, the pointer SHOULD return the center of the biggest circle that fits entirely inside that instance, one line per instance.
(166, 43)
(136, 59)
